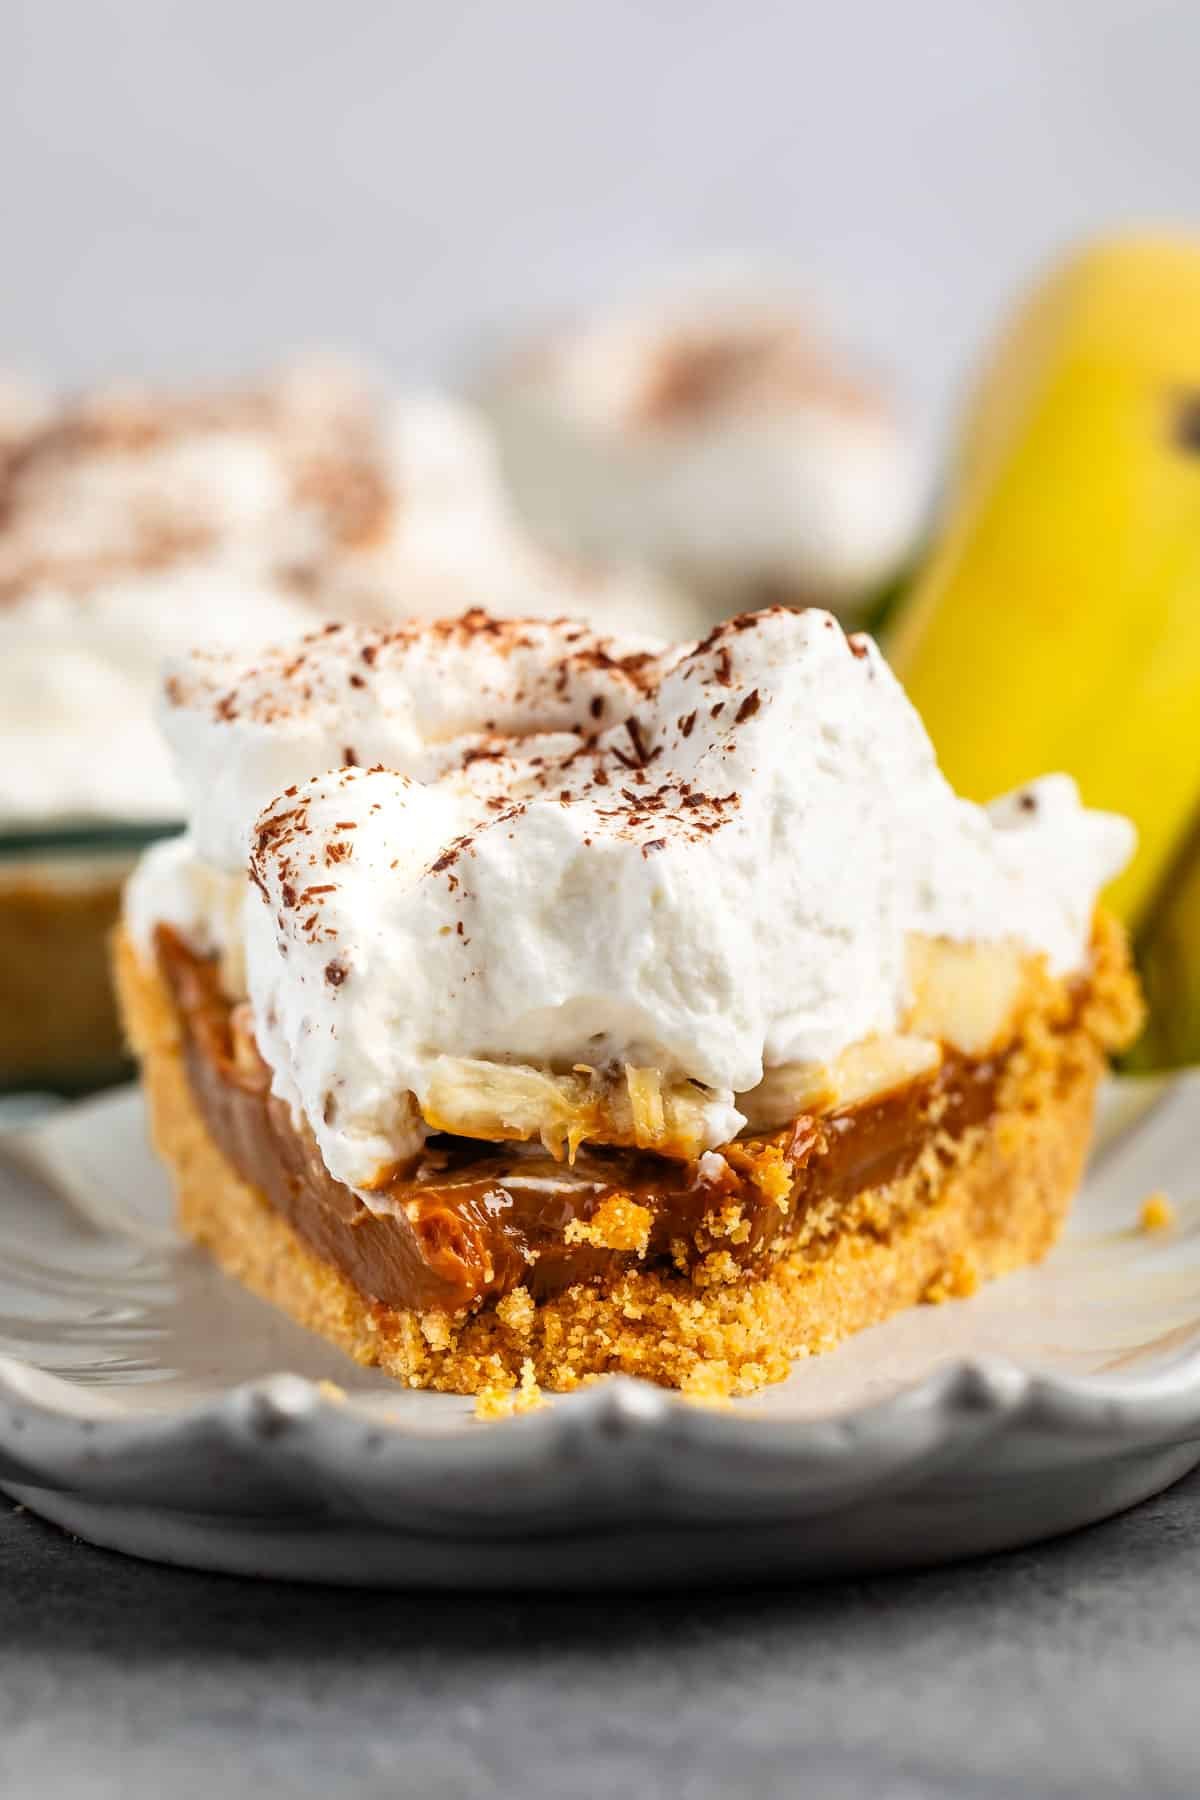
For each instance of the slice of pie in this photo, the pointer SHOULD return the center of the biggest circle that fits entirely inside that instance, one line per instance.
(714, 431)
(134, 521)
(522, 1001)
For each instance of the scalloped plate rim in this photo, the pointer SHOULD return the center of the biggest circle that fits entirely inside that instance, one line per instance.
(298, 1473)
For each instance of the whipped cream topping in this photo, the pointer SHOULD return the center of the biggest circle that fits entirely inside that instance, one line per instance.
(715, 434)
(523, 843)
(24, 404)
(133, 524)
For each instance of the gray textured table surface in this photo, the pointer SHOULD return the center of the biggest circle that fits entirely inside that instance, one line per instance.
(1072, 1669)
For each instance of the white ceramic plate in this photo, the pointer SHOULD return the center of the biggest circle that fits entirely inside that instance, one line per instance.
(148, 1404)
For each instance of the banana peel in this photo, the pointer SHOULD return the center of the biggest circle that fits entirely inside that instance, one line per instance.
(1168, 955)
(1056, 624)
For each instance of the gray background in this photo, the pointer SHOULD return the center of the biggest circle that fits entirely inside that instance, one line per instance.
(1065, 1670)
(196, 184)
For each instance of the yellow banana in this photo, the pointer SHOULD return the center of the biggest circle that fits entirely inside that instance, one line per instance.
(1169, 960)
(1057, 623)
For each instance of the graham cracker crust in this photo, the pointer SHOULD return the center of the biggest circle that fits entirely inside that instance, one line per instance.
(58, 1025)
(989, 1202)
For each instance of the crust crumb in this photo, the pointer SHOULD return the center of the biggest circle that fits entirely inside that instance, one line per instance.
(1157, 1212)
(502, 1399)
(517, 1310)
(708, 1384)
(618, 1223)
(958, 1280)
(436, 1330)
(767, 1167)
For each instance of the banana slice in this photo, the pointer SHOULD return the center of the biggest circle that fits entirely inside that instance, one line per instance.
(633, 1108)
(965, 995)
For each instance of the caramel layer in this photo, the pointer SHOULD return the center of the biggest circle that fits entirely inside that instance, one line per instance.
(471, 1222)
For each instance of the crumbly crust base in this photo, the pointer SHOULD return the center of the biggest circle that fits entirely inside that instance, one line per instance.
(58, 1025)
(969, 1210)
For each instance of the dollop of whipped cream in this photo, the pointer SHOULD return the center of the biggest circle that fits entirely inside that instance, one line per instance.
(523, 843)
(712, 431)
(133, 523)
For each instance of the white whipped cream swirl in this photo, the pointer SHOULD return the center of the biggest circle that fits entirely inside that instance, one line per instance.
(704, 859)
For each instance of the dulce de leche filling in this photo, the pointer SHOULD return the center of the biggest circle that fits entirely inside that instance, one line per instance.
(473, 1221)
